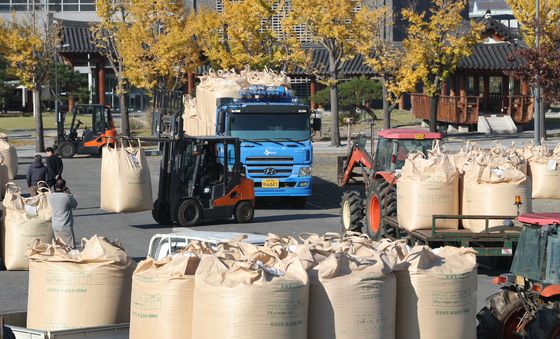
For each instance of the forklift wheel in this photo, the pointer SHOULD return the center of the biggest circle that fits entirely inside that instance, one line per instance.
(66, 149)
(244, 212)
(189, 213)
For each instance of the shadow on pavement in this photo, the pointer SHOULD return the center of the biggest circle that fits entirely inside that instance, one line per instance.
(289, 217)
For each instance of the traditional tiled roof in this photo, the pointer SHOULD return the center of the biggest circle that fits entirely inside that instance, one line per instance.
(320, 63)
(77, 35)
(492, 57)
(494, 26)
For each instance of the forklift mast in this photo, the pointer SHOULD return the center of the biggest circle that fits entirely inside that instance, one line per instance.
(167, 128)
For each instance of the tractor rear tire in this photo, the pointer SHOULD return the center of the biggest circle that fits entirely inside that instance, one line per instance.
(499, 319)
(66, 149)
(244, 212)
(546, 324)
(189, 213)
(351, 212)
(381, 202)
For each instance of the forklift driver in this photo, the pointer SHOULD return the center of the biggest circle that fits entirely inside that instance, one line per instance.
(211, 168)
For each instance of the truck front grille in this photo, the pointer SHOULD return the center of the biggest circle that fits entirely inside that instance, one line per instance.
(269, 167)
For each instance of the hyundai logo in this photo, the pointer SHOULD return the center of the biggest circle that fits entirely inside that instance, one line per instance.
(270, 171)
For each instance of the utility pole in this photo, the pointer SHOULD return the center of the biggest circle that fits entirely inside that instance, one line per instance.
(537, 90)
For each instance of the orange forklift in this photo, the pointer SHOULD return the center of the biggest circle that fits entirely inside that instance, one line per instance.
(102, 131)
(200, 178)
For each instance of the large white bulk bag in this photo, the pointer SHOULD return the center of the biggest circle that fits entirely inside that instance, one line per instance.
(427, 187)
(10, 156)
(25, 220)
(4, 177)
(545, 173)
(125, 180)
(490, 188)
(71, 289)
(191, 119)
(261, 297)
(351, 297)
(162, 297)
(436, 294)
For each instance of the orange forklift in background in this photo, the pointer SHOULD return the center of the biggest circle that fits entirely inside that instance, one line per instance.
(102, 131)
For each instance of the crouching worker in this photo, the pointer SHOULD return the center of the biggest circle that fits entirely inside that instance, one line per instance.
(62, 202)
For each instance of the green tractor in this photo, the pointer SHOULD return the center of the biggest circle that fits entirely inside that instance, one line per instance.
(528, 303)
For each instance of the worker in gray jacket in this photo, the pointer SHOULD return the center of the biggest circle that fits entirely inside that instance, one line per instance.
(62, 202)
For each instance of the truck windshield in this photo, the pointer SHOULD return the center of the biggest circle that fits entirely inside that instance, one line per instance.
(280, 126)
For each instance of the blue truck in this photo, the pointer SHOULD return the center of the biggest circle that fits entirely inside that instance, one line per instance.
(276, 149)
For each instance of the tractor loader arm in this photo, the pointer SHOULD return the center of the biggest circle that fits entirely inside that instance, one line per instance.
(358, 157)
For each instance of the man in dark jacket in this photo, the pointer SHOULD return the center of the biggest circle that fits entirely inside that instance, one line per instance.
(54, 167)
(36, 172)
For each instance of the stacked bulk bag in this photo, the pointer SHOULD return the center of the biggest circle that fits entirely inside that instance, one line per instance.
(261, 296)
(191, 120)
(125, 179)
(10, 156)
(436, 294)
(214, 86)
(25, 220)
(351, 297)
(4, 178)
(74, 289)
(545, 173)
(162, 297)
(491, 183)
(427, 187)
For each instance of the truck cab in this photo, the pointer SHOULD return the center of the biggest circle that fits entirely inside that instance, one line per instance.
(275, 132)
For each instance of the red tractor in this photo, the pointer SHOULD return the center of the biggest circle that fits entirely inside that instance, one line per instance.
(528, 304)
(377, 175)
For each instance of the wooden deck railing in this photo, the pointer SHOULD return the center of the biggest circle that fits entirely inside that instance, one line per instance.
(521, 108)
(465, 110)
(451, 109)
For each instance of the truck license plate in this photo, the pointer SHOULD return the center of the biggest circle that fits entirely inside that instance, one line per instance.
(269, 183)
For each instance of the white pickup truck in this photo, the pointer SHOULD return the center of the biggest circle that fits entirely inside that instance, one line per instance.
(162, 245)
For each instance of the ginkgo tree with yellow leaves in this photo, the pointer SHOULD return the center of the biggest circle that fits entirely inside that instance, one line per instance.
(30, 45)
(158, 47)
(242, 34)
(541, 68)
(436, 41)
(114, 21)
(339, 26)
(384, 58)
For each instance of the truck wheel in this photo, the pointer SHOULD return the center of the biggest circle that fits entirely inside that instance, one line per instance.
(499, 319)
(351, 212)
(159, 214)
(189, 213)
(67, 149)
(244, 212)
(546, 324)
(381, 202)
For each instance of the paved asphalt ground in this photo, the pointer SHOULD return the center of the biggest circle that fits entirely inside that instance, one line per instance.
(135, 230)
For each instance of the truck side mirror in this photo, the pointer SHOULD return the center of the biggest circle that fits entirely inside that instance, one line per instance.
(316, 124)
(221, 123)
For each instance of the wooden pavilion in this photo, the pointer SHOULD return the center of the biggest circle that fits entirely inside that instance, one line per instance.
(481, 85)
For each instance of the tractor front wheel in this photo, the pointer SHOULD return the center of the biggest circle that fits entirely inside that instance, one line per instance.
(381, 202)
(500, 318)
(351, 212)
(546, 324)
